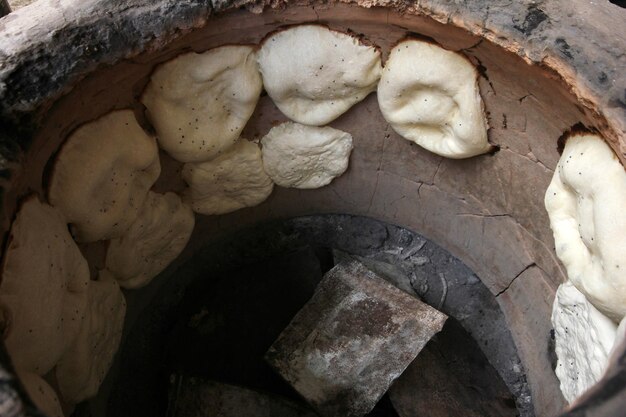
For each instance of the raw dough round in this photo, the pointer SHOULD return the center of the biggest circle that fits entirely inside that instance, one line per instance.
(314, 74)
(232, 181)
(300, 156)
(44, 286)
(200, 103)
(430, 96)
(153, 241)
(102, 176)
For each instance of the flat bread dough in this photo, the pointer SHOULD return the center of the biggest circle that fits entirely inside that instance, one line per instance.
(153, 241)
(200, 103)
(229, 182)
(300, 156)
(102, 175)
(44, 287)
(315, 74)
(584, 339)
(430, 96)
(86, 362)
(586, 203)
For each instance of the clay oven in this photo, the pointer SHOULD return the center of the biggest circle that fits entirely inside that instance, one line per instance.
(543, 68)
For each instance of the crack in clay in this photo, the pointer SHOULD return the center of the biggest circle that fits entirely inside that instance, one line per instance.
(516, 277)
(529, 95)
(476, 45)
(528, 238)
(317, 16)
(489, 216)
(434, 177)
(340, 197)
(537, 161)
(525, 244)
(379, 170)
(378, 174)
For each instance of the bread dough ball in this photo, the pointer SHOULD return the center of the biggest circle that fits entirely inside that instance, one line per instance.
(586, 203)
(86, 362)
(300, 156)
(200, 103)
(430, 96)
(41, 393)
(229, 182)
(44, 286)
(102, 175)
(584, 338)
(153, 241)
(314, 74)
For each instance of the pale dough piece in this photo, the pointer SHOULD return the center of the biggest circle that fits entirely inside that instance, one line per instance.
(86, 362)
(430, 96)
(153, 241)
(229, 182)
(584, 338)
(44, 286)
(102, 176)
(41, 393)
(200, 103)
(300, 156)
(314, 74)
(586, 203)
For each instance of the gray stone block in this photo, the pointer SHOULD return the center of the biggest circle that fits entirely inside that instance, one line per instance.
(355, 336)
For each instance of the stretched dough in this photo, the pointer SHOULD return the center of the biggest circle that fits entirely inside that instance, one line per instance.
(314, 74)
(44, 286)
(300, 156)
(584, 338)
(200, 103)
(102, 176)
(430, 96)
(586, 203)
(153, 241)
(86, 362)
(232, 181)
(41, 393)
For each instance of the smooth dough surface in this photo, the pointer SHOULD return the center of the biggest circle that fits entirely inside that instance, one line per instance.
(102, 176)
(41, 393)
(153, 241)
(300, 156)
(430, 96)
(584, 338)
(586, 203)
(229, 182)
(314, 74)
(200, 103)
(84, 365)
(44, 287)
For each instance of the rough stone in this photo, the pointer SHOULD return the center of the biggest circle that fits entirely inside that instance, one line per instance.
(194, 397)
(354, 337)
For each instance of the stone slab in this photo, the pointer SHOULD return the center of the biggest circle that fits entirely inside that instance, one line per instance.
(195, 397)
(355, 336)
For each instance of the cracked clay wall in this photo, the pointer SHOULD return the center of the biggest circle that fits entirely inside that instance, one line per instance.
(487, 211)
